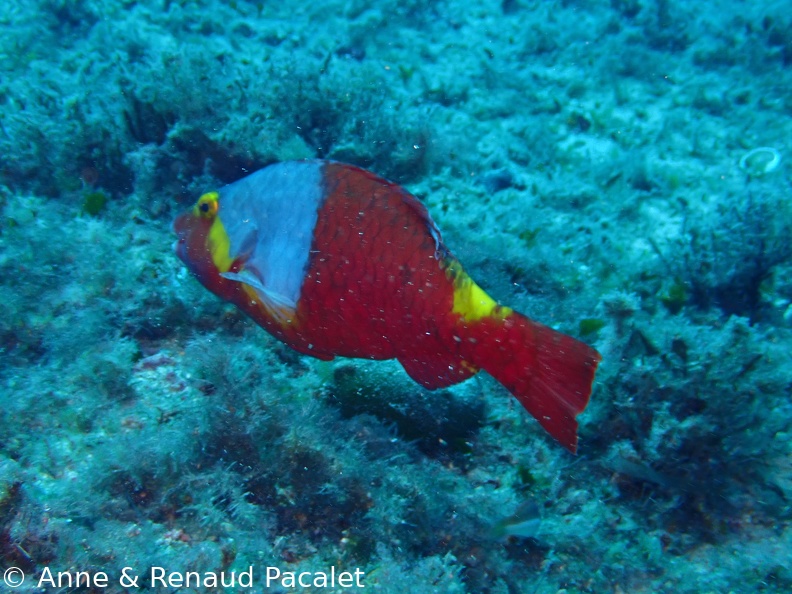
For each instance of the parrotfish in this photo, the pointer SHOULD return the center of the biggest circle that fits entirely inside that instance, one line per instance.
(335, 261)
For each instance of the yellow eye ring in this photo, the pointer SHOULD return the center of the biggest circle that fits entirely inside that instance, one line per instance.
(207, 205)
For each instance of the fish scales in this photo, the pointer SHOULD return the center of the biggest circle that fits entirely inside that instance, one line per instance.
(336, 261)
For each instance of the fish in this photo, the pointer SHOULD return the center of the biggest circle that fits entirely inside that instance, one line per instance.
(524, 523)
(336, 261)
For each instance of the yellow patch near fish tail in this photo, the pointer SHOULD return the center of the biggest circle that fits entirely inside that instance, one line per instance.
(471, 302)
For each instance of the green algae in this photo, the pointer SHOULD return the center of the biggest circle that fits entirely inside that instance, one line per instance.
(94, 203)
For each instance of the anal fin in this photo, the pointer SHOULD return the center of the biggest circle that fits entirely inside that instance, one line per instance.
(437, 370)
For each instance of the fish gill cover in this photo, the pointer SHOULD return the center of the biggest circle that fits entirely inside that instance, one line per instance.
(618, 171)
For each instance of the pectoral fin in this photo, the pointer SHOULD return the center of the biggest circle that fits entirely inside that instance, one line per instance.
(278, 306)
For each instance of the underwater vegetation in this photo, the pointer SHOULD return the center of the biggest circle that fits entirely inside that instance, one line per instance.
(620, 171)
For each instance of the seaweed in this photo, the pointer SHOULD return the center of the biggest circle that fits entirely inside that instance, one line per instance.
(440, 422)
(730, 258)
(94, 203)
(145, 123)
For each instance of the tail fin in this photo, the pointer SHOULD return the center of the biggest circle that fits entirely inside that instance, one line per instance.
(550, 373)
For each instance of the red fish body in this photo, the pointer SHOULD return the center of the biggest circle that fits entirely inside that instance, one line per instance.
(335, 261)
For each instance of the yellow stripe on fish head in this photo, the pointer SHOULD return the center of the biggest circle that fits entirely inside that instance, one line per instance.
(217, 241)
(471, 301)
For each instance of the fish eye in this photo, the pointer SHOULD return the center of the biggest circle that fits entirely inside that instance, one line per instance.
(207, 205)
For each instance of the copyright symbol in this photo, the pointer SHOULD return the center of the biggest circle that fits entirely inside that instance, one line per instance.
(13, 577)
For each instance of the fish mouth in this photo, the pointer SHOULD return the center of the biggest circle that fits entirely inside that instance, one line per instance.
(180, 226)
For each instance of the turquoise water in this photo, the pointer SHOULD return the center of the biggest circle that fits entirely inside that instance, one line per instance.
(616, 170)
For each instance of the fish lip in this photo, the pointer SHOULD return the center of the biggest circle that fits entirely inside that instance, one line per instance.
(180, 248)
(178, 227)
